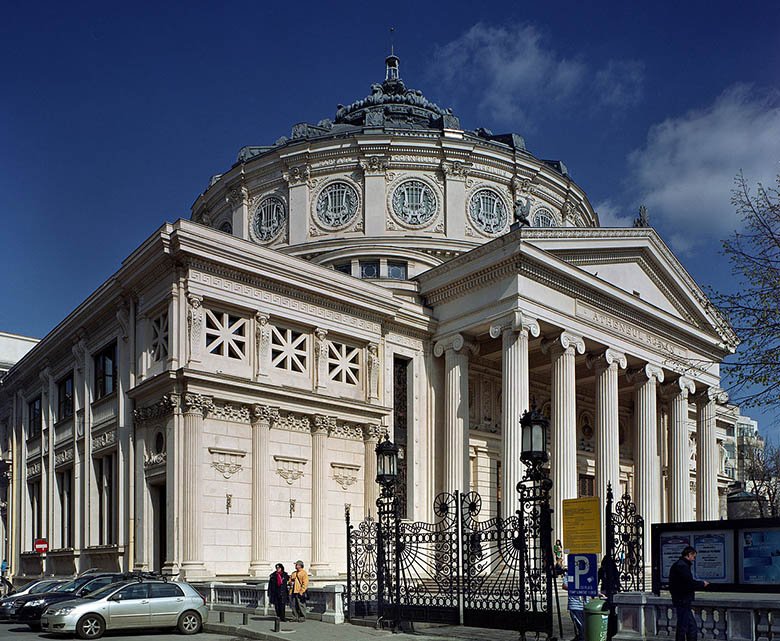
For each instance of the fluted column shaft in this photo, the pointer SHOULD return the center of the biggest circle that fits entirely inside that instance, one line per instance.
(319, 494)
(707, 455)
(370, 487)
(563, 423)
(647, 478)
(262, 416)
(514, 401)
(192, 544)
(679, 452)
(456, 412)
(607, 426)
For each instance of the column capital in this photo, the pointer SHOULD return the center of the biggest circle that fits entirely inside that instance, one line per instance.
(197, 403)
(516, 321)
(323, 424)
(713, 395)
(683, 385)
(372, 432)
(264, 414)
(454, 342)
(564, 341)
(606, 359)
(643, 374)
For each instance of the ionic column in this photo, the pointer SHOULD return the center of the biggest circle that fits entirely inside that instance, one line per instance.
(262, 418)
(679, 453)
(319, 493)
(647, 477)
(563, 421)
(707, 508)
(607, 427)
(514, 400)
(371, 435)
(195, 408)
(456, 411)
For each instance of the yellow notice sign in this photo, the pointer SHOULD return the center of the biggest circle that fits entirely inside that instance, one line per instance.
(582, 525)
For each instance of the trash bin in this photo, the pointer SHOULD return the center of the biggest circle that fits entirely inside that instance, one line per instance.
(596, 620)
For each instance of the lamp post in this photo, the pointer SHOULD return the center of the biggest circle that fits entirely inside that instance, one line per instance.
(388, 530)
(535, 514)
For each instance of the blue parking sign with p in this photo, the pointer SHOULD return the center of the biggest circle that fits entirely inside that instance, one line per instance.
(583, 575)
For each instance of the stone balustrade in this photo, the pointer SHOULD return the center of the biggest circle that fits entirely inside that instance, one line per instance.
(728, 616)
(326, 602)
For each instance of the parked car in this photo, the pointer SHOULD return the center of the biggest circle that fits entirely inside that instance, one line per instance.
(129, 604)
(29, 608)
(36, 587)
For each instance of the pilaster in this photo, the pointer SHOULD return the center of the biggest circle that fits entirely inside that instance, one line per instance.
(707, 508)
(238, 200)
(679, 452)
(262, 418)
(319, 494)
(371, 434)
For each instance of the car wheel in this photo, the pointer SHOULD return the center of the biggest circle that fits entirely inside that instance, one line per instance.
(90, 626)
(189, 622)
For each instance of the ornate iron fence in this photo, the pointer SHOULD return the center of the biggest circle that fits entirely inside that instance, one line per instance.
(624, 545)
(362, 563)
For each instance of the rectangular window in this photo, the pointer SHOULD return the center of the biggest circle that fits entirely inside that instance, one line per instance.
(396, 270)
(289, 349)
(105, 372)
(64, 489)
(34, 418)
(104, 476)
(369, 269)
(586, 485)
(344, 268)
(158, 347)
(65, 398)
(36, 510)
(344, 363)
(226, 334)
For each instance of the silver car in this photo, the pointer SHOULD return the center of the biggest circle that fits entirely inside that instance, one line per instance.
(129, 604)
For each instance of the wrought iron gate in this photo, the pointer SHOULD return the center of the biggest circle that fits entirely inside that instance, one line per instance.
(495, 573)
(625, 544)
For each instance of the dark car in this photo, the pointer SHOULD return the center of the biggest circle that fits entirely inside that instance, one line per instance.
(28, 609)
(36, 587)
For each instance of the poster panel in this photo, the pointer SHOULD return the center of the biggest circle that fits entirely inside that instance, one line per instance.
(714, 559)
(759, 555)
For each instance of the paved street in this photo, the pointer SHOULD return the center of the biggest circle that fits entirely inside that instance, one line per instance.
(16, 632)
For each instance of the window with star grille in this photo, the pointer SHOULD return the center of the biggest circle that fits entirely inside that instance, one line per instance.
(226, 334)
(289, 350)
(344, 363)
(158, 347)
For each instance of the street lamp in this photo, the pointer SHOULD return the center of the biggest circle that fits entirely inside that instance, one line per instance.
(386, 462)
(388, 532)
(533, 426)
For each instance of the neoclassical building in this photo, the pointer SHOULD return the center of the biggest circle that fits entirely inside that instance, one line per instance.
(215, 404)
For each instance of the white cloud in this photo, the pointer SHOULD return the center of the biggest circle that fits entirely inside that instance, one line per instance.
(516, 75)
(610, 214)
(685, 172)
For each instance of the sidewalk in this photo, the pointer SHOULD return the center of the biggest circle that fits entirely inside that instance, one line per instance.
(261, 627)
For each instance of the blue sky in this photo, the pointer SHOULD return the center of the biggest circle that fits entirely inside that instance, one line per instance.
(113, 117)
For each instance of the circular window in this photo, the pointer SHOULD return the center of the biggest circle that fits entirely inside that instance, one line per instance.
(159, 443)
(544, 218)
(337, 205)
(269, 218)
(488, 211)
(414, 202)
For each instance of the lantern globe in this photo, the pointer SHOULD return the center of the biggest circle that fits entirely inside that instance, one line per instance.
(386, 462)
(533, 426)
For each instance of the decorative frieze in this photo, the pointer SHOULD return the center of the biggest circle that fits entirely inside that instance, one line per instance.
(345, 474)
(265, 413)
(103, 441)
(293, 423)
(61, 457)
(33, 469)
(154, 459)
(229, 412)
(289, 468)
(347, 431)
(227, 461)
(375, 165)
(197, 403)
(165, 406)
(298, 175)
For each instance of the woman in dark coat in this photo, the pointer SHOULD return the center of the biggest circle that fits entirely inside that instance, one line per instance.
(277, 590)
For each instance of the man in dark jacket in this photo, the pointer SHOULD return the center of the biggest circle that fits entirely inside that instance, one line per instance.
(683, 587)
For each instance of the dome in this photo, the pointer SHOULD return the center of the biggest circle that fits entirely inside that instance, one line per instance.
(391, 185)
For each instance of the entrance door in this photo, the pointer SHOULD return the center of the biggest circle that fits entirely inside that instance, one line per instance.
(159, 538)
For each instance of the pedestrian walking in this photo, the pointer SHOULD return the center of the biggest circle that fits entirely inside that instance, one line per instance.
(277, 590)
(576, 607)
(299, 584)
(683, 587)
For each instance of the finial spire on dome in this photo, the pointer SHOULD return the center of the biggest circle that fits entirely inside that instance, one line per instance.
(392, 61)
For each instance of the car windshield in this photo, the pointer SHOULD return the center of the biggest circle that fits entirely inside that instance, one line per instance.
(44, 586)
(104, 591)
(74, 585)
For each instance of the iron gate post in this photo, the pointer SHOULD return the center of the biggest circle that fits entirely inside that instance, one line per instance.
(349, 562)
